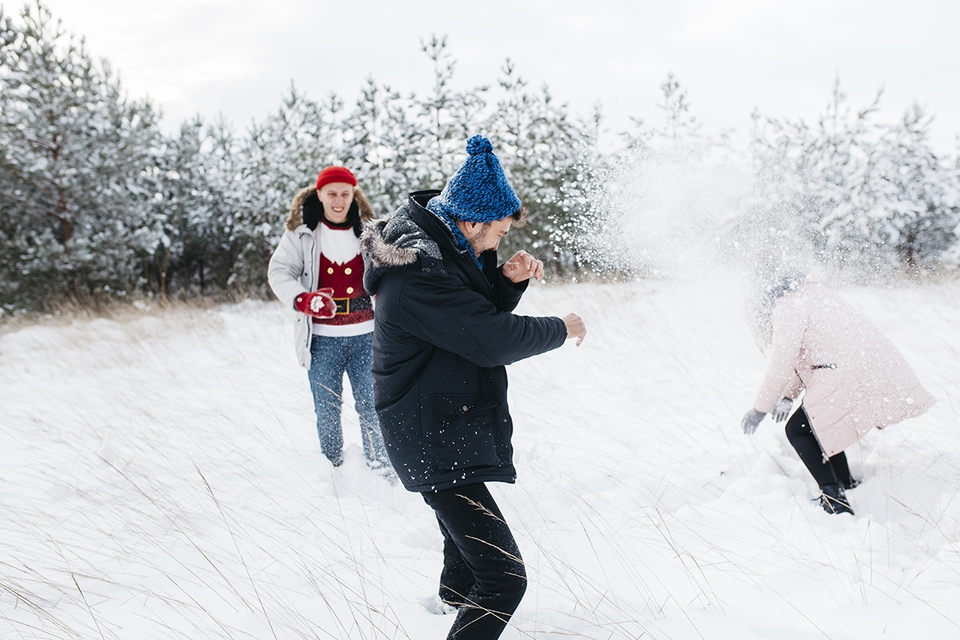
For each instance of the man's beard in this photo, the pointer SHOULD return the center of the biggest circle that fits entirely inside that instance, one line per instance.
(478, 241)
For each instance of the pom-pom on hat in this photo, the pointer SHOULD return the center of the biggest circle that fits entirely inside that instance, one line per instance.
(478, 192)
(335, 174)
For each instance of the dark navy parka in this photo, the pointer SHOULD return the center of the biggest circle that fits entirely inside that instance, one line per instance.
(444, 331)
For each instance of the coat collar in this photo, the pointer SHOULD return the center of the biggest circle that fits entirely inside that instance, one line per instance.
(449, 247)
(413, 233)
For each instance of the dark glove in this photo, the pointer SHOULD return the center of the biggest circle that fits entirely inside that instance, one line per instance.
(782, 410)
(318, 304)
(751, 420)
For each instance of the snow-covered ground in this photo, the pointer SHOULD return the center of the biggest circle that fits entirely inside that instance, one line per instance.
(160, 477)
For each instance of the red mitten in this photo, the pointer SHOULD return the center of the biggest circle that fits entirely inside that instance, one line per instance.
(318, 304)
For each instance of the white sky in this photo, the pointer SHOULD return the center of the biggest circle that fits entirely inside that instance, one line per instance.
(237, 57)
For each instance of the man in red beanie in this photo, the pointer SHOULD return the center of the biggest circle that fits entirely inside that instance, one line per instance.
(317, 270)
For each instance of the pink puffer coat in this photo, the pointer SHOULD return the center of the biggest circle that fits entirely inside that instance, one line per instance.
(853, 376)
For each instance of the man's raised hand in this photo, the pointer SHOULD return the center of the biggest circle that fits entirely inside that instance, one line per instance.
(522, 266)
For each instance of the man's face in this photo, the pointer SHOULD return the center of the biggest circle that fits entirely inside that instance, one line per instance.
(336, 199)
(484, 236)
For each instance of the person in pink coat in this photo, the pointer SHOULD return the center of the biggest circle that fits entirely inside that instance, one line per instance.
(851, 376)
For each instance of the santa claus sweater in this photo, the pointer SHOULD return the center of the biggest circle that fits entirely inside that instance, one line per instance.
(341, 269)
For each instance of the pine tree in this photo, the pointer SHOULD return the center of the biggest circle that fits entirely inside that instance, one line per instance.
(919, 211)
(443, 121)
(197, 186)
(377, 145)
(858, 193)
(810, 182)
(72, 150)
(281, 156)
(661, 202)
(543, 151)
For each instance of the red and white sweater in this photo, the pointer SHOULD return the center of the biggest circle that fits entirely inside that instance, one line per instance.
(341, 268)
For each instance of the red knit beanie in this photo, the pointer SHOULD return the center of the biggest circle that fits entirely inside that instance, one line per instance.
(335, 174)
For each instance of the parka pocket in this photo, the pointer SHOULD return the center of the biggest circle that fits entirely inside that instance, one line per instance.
(466, 430)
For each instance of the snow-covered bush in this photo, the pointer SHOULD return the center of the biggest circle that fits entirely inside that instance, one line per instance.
(852, 192)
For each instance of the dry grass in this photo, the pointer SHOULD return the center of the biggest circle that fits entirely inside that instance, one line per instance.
(64, 312)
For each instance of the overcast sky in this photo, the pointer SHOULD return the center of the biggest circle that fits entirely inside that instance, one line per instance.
(237, 57)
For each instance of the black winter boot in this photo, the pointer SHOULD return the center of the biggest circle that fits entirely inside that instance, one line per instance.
(851, 483)
(834, 500)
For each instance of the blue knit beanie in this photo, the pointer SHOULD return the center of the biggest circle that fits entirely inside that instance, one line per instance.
(478, 192)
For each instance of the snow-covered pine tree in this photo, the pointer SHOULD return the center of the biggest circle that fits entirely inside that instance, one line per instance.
(224, 177)
(859, 193)
(377, 146)
(281, 156)
(660, 203)
(951, 257)
(680, 134)
(442, 122)
(917, 208)
(198, 184)
(812, 195)
(72, 150)
(544, 152)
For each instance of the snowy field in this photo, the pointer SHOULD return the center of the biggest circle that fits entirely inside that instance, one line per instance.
(160, 477)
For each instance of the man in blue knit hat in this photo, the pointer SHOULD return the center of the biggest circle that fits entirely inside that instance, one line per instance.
(444, 332)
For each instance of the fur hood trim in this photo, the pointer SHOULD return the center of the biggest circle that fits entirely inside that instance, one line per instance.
(295, 217)
(309, 193)
(397, 241)
(393, 243)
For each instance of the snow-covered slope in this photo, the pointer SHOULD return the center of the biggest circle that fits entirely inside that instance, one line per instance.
(160, 477)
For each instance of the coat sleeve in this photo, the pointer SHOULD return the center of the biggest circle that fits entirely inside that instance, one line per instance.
(286, 269)
(507, 293)
(790, 318)
(451, 316)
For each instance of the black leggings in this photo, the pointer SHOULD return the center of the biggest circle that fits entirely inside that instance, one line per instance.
(801, 436)
(483, 572)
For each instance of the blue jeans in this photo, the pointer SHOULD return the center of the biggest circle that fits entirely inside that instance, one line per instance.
(330, 358)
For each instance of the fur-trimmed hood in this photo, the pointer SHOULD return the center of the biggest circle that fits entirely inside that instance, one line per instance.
(305, 208)
(394, 242)
(444, 332)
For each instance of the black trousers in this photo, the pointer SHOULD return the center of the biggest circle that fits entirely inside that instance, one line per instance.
(483, 572)
(832, 471)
